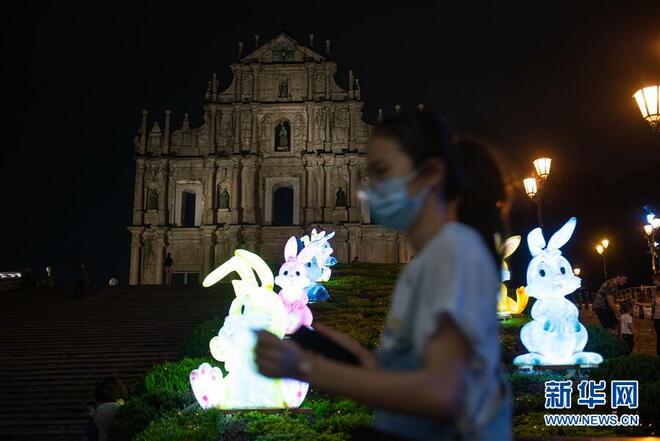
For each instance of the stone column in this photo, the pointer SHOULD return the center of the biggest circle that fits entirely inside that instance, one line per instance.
(352, 191)
(136, 256)
(162, 193)
(209, 193)
(235, 193)
(160, 256)
(138, 196)
(328, 139)
(248, 174)
(207, 249)
(237, 130)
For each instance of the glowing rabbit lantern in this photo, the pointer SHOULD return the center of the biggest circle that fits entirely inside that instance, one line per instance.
(505, 304)
(255, 307)
(318, 267)
(555, 336)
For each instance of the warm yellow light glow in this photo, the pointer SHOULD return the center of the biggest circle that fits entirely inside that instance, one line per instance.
(648, 229)
(576, 271)
(605, 243)
(600, 249)
(648, 101)
(542, 167)
(531, 187)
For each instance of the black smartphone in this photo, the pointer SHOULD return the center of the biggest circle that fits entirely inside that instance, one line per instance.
(314, 341)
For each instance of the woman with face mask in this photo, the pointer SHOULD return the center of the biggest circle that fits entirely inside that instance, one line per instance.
(437, 373)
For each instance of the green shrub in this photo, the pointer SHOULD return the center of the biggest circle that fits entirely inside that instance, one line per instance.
(528, 402)
(524, 382)
(604, 343)
(134, 416)
(640, 367)
(649, 406)
(509, 348)
(532, 425)
(172, 376)
(197, 343)
(194, 426)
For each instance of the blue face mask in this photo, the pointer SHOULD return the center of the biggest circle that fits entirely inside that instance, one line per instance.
(390, 204)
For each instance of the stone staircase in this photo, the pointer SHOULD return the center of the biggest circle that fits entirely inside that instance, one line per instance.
(54, 350)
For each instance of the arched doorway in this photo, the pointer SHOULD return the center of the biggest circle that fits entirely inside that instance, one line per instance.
(283, 206)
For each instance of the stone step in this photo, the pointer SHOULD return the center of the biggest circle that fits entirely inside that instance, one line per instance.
(55, 350)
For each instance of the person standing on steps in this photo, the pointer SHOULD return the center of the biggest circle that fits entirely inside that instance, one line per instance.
(604, 306)
(169, 269)
(81, 282)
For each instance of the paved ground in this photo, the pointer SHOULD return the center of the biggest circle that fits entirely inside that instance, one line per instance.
(54, 350)
(644, 332)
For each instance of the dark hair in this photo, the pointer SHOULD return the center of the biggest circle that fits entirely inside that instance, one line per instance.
(623, 273)
(110, 389)
(473, 177)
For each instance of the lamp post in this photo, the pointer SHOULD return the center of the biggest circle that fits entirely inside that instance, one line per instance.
(533, 185)
(648, 101)
(649, 230)
(601, 249)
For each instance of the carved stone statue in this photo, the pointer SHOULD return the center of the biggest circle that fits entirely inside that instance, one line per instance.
(341, 198)
(284, 136)
(223, 199)
(152, 199)
(284, 88)
(319, 125)
(319, 82)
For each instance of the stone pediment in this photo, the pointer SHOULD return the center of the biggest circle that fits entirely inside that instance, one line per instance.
(282, 46)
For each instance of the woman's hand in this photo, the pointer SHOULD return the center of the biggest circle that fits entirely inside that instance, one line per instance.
(366, 357)
(277, 358)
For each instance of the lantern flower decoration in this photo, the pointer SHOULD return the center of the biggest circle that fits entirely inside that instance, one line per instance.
(648, 101)
(505, 304)
(555, 336)
(256, 307)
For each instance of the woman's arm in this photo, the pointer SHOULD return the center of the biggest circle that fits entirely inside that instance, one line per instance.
(433, 390)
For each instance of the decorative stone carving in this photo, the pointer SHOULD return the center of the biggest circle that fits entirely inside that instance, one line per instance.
(284, 87)
(340, 200)
(246, 128)
(340, 132)
(319, 125)
(223, 199)
(319, 82)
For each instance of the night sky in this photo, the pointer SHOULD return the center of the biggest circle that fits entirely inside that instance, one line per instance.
(554, 79)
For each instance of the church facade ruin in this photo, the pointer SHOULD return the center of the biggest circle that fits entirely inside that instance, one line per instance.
(280, 151)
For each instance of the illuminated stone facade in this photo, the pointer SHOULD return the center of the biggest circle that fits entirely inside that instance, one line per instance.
(280, 151)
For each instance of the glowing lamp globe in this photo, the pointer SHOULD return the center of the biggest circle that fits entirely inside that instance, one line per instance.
(555, 336)
(648, 101)
(600, 249)
(531, 187)
(605, 243)
(648, 229)
(576, 271)
(542, 167)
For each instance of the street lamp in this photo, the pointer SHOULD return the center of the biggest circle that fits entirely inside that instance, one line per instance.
(533, 185)
(601, 248)
(649, 230)
(648, 101)
(577, 271)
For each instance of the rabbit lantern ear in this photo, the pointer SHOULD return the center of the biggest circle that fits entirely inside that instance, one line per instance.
(291, 249)
(562, 235)
(535, 241)
(510, 246)
(306, 254)
(330, 236)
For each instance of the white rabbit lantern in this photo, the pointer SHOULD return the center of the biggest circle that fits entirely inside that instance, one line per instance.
(555, 336)
(323, 255)
(255, 307)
